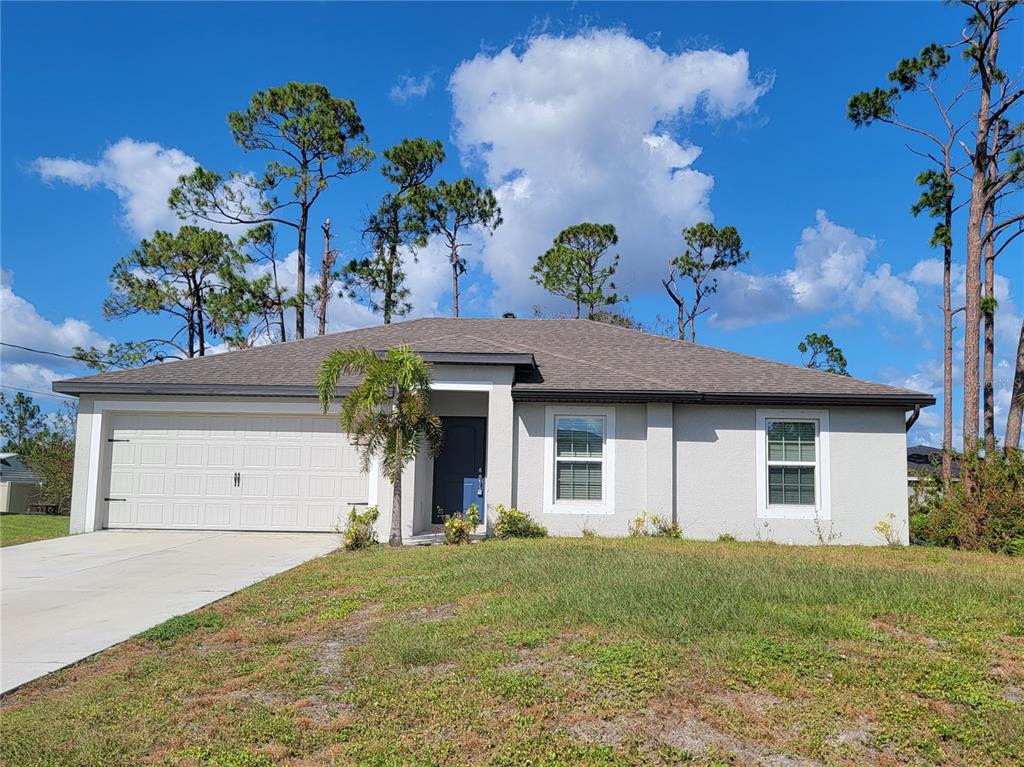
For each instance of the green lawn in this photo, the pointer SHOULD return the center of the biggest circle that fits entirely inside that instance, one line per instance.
(22, 528)
(563, 652)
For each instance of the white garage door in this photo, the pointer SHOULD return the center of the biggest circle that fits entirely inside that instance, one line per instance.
(238, 472)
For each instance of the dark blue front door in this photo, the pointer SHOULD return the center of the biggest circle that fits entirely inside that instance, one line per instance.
(459, 469)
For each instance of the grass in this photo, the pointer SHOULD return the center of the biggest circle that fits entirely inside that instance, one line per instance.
(23, 528)
(563, 652)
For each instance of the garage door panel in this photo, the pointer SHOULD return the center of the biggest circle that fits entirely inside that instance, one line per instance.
(188, 485)
(217, 515)
(220, 455)
(273, 472)
(154, 454)
(189, 454)
(220, 485)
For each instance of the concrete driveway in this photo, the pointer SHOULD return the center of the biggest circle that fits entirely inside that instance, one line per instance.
(64, 599)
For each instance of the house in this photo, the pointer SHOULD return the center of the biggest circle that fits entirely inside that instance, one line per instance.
(582, 424)
(924, 461)
(19, 484)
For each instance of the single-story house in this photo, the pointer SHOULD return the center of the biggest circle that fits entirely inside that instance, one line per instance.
(924, 462)
(19, 484)
(581, 424)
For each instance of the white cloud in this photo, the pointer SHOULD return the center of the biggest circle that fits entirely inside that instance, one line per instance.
(597, 142)
(830, 273)
(409, 87)
(140, 173)
(22, 325)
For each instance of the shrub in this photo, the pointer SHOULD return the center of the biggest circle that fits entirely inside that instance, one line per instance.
(983, 511)
(727, 538)
(513, 523)
(653, 526)
(361, 529)
(458, 528)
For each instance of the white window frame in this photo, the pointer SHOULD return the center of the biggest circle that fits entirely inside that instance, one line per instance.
(822, 508)
(607, 503)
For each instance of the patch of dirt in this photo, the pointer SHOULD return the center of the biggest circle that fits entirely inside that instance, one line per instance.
(856, 734)
(672, 725)
(599, 731)
(906, 635)
(354, 631)
(1014, 694)
(750, 701)
(428, 614)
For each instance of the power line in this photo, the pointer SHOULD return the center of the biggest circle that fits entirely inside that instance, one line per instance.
(40, 351)
(38, 393)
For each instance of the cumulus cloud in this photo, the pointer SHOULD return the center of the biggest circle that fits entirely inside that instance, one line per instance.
(140, 173)
(585, 128)
(830, 272)
(409, 87)
(22, 325)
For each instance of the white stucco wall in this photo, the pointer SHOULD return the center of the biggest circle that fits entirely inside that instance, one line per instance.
(717, 486)
(702, 471)
(695, 463)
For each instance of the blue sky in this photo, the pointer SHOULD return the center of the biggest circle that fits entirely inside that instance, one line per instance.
(646, 116)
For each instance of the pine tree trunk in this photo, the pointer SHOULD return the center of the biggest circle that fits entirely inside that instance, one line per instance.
(972, 315)
(988, 391)
(947, 354)
(1013, 418)
(455, 282)
(300, 276)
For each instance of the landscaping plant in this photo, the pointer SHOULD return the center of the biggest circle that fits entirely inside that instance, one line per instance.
(458, 528)
(361, 529)
(653, 526)
(513, 523)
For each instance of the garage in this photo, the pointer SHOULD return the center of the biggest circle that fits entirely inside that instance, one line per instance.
(230, 472)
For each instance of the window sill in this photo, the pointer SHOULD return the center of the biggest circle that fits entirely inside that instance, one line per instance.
(569, 507)
(792, 512)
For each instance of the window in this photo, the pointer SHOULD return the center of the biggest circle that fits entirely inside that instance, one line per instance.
(579, 458)
(793, 464)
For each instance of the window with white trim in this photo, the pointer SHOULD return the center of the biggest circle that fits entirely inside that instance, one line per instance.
(792, 455)
(579, 457)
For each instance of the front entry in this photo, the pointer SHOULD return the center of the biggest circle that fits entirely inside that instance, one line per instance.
(459, 469)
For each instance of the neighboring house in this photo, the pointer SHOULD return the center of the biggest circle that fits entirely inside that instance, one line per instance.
(923, 462)
(582, 424)
(19, 484)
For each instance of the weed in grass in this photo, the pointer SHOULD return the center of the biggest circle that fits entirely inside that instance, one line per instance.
(182, 625)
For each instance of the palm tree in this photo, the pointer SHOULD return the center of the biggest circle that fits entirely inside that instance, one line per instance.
(386, 414)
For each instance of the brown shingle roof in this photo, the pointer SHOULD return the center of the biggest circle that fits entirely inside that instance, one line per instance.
(574, 359)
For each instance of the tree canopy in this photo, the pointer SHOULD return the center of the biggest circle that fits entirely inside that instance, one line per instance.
(313, 138)
(572, 268)
(709, 250)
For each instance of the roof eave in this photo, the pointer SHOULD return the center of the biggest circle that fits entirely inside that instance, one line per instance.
(896, 399)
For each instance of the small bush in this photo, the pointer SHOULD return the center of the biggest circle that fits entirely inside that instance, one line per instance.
(361, 529)
(458, 528)
(727, 538)
(588, 532)
(181, 625)
(653, 526)
(983, 511)
(513, 523)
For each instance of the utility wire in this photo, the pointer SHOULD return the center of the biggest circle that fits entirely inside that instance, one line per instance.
(39, 351)
(38, 393)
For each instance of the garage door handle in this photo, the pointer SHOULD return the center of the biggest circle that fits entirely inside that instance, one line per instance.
(238, 478)
(115, 499)
(118, 440)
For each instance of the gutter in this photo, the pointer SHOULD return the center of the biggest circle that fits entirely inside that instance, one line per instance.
(908, 401)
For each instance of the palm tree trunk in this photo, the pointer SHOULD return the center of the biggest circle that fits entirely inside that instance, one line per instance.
(396, 510)
(396, 495)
